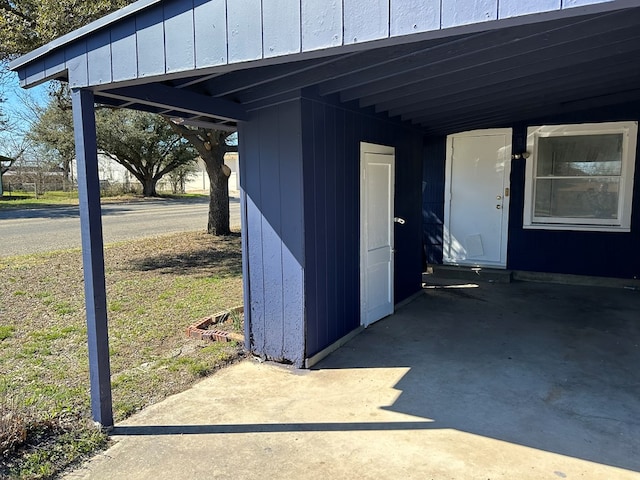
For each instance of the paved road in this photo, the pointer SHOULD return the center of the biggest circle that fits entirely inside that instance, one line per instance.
(47, 229)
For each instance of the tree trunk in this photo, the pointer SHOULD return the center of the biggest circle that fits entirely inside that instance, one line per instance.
(66, 169)
(218, 223)
(149, 187)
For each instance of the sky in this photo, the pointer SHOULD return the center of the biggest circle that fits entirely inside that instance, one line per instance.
(16, 112)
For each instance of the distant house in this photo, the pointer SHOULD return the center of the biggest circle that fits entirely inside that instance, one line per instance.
(198, 182)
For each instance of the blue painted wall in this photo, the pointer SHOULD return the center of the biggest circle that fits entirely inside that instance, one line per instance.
(271, 180)
(433, 178)
(300, 165)
(331, 135)
(607, 254)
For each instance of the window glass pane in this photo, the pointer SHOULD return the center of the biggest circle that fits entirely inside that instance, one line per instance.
(577, 198)
(579, 155)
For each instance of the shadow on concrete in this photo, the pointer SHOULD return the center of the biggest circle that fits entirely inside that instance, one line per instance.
(551, 367)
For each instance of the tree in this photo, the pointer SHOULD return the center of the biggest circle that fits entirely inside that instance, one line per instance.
(212, 146)
(53, 128)
(143, 143)
(179, 176)
(28, 24)
(5, 165)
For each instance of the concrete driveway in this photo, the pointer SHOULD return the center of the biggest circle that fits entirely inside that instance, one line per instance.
(493, 381)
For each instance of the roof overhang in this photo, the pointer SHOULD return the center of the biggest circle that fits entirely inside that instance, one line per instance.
(473, 75)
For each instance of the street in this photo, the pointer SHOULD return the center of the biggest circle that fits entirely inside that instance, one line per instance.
(24, 231)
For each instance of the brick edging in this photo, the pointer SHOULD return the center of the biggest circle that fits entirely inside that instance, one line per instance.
(199, 331)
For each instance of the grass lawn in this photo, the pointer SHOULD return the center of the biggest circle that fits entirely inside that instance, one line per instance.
(155, 289)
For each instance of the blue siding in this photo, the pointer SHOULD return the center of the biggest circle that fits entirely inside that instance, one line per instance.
(123, 51)
(150, 43)
(210, 30)
(271, 170)
(76, 61)
(321, 24)
(363, 22)
(244, 27)
(413, 16)
(99, 58)
(512, 8)
(332, 133)
(179, 35)
(433, 178)
(54, 63)
(464, 12)
(607, 254)
(281, 24)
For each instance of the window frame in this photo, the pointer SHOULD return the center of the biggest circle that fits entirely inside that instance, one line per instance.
(622, 223)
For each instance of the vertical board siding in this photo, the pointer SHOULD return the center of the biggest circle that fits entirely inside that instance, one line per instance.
(249, 146)
(606, 254)
(179, 35)
(321, 24)
(365, 20)
(210, 31)
(331, 148)
(272, 183)
(54, 63)
(433, 185)
(269, 172)
(124, 59)
(464, 12)
(514, 8)
(413, 16)
(292, 229)
(99, 58)
(319, 256)
(34, 72)
(580, 3)
(244, 27)
(76, 62)
(150, 43)
(333, 232)
(281, 27)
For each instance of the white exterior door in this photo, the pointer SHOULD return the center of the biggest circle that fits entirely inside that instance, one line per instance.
(377, 177)
(477, 198)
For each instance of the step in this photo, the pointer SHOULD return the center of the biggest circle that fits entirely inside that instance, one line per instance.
(482, 274)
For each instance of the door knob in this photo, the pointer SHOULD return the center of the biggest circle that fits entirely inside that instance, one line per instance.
(498, 207)
(499, 197)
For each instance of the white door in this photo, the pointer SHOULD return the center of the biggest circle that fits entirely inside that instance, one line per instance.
(477, 198)
(377, 170)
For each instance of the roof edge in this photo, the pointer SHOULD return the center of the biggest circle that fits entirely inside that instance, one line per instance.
(81, 32)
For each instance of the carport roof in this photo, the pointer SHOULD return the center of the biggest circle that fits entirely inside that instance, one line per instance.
(450, 79)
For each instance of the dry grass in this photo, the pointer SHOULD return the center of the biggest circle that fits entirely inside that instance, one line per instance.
(155, 289)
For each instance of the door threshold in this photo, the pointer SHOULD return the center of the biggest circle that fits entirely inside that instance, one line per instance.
(464, 272)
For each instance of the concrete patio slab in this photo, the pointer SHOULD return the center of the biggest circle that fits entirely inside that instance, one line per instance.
(481, 381)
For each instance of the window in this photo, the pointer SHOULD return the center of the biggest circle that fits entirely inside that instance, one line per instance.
(580, 177)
